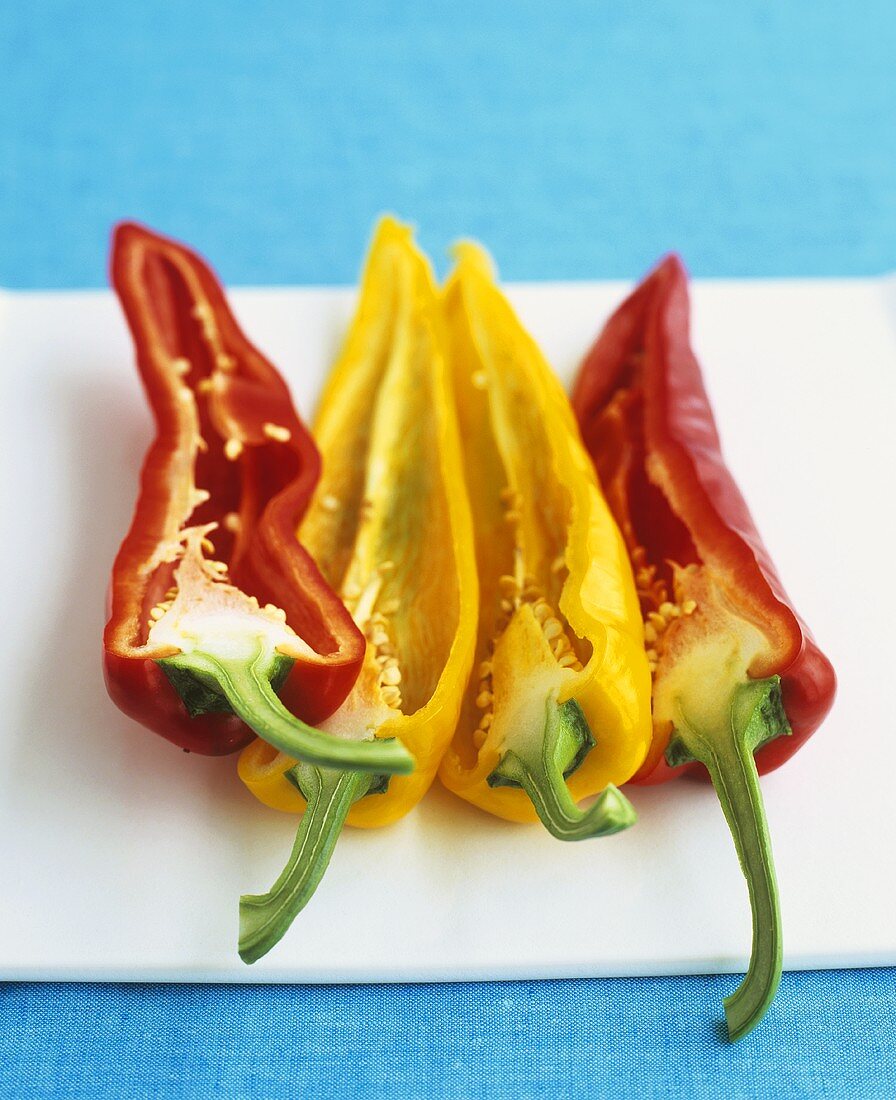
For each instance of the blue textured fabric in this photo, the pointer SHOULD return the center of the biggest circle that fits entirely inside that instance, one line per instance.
(578, 140)
(826, 1036)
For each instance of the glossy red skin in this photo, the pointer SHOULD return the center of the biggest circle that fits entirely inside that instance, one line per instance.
(664, 441)
(159, 282)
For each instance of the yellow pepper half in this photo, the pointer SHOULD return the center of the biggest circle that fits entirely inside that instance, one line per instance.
(390, 528)
(560, 706)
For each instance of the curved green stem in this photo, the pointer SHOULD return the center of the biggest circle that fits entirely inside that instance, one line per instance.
(756, 715)
(264, 918)
(541, 773)
(244, 685)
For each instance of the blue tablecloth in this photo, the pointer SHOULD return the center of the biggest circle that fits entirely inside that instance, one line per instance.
(579, 141)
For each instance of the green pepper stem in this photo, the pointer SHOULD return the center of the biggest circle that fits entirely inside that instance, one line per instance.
(541, 773)
(755, 715)
(561, 816)
(265, 918)
(245, 684)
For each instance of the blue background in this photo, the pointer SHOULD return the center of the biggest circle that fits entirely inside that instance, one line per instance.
(579, 141)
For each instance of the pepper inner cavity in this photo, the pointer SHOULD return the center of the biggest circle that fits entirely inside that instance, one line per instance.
(373, 615)
(203, 362)
(200, 360)
(668, 587)
(203, 610)
(662, 608)
(529, 633)
(193, 570)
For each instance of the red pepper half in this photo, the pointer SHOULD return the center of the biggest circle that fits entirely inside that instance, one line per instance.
(739, 683)
(220, 624)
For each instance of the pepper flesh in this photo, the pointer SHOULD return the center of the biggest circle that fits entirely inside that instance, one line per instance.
(739, 683)
(560, 708)
(194, 643)
(390, 526)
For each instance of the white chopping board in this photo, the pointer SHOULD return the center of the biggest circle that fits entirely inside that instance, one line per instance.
(123, 858)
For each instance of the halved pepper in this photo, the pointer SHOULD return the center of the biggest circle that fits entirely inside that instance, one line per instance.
(202, 636)
(738, 681)
(390, 527)
(559, 708)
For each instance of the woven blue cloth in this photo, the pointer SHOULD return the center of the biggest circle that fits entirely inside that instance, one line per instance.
(578, 141)
(826, 1036)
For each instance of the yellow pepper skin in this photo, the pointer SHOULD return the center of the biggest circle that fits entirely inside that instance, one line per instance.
(390, 529)
(555, 583)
